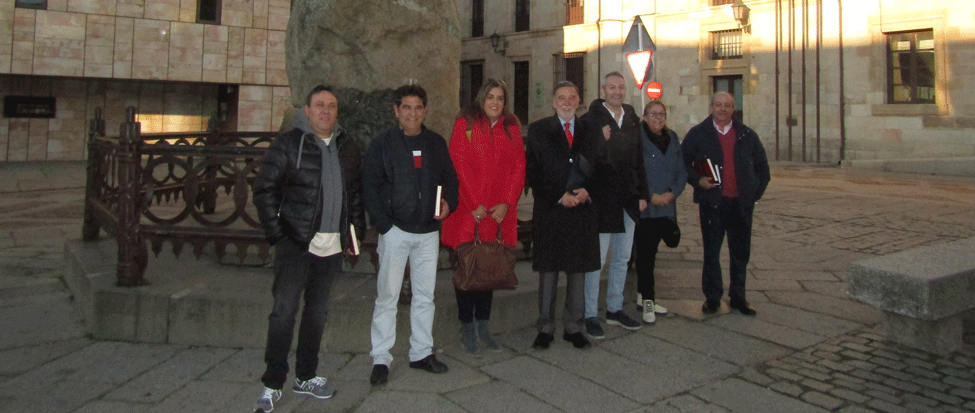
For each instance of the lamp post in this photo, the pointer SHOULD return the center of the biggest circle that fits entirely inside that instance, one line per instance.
(639, 48)
(741, 15)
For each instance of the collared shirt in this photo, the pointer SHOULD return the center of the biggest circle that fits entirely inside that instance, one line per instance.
(572, 124)
(724, 130)
(619, 122)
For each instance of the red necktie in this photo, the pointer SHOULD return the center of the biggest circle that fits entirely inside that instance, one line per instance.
(568, 133)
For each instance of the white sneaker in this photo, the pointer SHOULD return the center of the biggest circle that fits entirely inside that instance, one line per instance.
(659, 310)
(648, 316)
(265, 404)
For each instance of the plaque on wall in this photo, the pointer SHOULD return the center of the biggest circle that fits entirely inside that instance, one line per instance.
(29, 107)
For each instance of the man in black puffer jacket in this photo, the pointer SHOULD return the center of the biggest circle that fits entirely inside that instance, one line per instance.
(308, 194)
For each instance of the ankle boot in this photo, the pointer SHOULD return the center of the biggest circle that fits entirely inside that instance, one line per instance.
(484, 333)
(468, 337)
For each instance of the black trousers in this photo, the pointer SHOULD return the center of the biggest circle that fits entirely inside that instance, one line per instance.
(474, 305)
(297, 273)
(647, 239)
(734, 218)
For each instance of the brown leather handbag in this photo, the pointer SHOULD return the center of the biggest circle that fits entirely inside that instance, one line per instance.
(485, 265)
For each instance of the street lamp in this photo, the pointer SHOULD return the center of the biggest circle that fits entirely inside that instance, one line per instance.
(496, 43)
(741, 14)
(639, 48)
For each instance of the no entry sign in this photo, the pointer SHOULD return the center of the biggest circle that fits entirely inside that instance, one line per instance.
(654, 90)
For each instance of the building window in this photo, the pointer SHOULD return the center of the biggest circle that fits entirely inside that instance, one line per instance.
(571, 67)
(471, 79)
(520, 94)
(208, 11)
(910, 67)
(522, 15)
(731, 84)
(32, 4)
(720, 2)
(726, 44)
(477, 18)
(574, 12)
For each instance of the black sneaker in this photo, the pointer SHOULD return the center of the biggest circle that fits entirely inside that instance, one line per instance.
(593, 328)
(620, 318)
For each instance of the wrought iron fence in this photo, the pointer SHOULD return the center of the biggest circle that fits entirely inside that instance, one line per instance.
(182, 188)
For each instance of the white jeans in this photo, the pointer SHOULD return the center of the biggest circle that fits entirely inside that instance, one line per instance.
(619, 258)
(395, 246)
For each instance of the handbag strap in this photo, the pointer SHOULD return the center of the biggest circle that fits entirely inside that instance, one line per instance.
(477, 232)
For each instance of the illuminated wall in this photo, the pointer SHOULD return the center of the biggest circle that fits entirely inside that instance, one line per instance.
(153, 55)
(780, 103)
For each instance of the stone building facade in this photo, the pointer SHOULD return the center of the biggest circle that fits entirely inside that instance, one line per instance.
(184, 65)
(819, 80)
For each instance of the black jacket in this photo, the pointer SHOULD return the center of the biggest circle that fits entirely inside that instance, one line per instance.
(626, 183)
(566, 239)
(751, 165)
(395, 194)
(288, 195)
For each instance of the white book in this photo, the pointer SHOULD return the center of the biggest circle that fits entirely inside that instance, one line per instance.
(716, 171)
(436, 212)
(355, 240)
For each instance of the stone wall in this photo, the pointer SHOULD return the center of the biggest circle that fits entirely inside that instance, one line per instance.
(377, 44)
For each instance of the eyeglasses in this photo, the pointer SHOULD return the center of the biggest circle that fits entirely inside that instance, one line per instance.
(658, 114)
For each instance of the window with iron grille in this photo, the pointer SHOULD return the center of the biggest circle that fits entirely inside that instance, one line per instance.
(720, 2)
(208, 11)
(477, 18)
(522, 15)
(571, 67)
(910, 67)
(32, 4)
(574, 12)
(726, 44)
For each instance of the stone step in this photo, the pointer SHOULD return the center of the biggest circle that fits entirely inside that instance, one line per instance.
(198, 302)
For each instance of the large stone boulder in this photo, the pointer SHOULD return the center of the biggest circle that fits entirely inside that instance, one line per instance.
(376, 45)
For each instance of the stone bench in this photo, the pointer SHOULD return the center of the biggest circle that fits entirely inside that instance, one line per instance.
(925, 293)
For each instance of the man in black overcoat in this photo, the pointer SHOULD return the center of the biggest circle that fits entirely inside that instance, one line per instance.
(564, 156)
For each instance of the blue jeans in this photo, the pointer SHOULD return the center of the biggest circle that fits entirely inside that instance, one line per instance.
(622, 246)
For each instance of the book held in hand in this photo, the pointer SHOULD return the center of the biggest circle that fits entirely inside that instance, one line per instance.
(706, 168)
(436, 211)
(355, 240)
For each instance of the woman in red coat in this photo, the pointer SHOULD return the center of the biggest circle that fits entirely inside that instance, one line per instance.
(489, 156)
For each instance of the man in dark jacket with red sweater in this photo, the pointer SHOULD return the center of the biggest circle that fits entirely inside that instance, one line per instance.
(726, 207)
(308, 193)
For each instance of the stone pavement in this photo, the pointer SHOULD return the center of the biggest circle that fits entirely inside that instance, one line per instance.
(809, 349)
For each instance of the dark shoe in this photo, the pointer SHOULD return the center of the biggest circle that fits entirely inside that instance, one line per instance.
(620, 318)
(577, 339)
(380, 374)
(429, 363)
(542, 341)
(593, 328)
(743, 307)
(711, 306)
